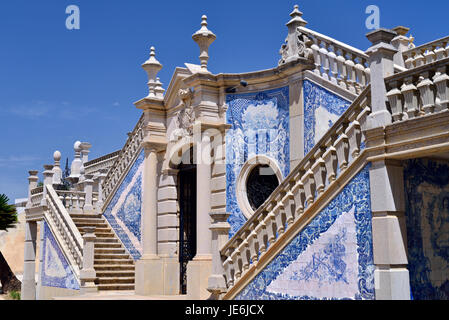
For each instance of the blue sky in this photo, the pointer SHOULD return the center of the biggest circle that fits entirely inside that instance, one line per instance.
(59, 85)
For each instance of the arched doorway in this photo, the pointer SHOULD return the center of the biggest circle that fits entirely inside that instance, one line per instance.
(187, 217)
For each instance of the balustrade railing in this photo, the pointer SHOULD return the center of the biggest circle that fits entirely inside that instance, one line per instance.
(64, 229)
(337, 62)
(37, 194)
(419, 91)
(309, 180)
(427, 53)
(104, 162)
(124, 159)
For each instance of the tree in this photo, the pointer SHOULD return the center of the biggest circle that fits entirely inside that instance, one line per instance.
(8, 220)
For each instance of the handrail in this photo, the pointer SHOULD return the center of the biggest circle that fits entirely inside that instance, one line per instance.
(64, 229)
(124, 160)
(319, 169)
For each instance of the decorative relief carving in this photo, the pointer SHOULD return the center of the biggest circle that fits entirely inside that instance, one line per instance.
(185, 116)
(301, 48)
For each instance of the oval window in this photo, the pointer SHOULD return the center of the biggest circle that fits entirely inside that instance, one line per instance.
(262, 181)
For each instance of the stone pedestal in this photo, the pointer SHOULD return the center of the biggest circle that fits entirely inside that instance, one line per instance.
(149, 276)
(28, 291)
(389, 232)
(198, 272)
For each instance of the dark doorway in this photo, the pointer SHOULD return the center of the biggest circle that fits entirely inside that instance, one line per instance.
(187, 219)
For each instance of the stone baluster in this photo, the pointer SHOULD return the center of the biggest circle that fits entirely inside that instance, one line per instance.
(425, 87)
(410, 93)
(220, 230)
(270, 221)
(440, 53)
(237, 263)
(278, 209)
(319, 172)
(419, 59)
(362, 118)
(349, 64)
(253, 243)
(88, 189)
(289, 205)
(87, 273)
(354, 134)
(342, 146)
(309, 185)
(228, 266)
(316, 55)
(395, 98)
(100, 179)
(360, 70)
(368, 75)
(299, 195)
(429, 56)
(331, 161)
(324, 60)
(342, 75)
(409, 60)
(332, 57)
(244, 250)
(48, 180)
(32, 184)
(262, 236)
(441, 81)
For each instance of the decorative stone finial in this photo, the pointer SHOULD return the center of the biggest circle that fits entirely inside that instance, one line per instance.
(77, 162)
(57, 172)
(297, 19)
(152, 67)
(204, 38)
(158, 90)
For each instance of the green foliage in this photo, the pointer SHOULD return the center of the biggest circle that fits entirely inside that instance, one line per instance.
(15, 295)
(8, 213)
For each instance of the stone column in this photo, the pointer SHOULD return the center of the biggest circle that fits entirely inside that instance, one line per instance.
(87, 273)
(168, 229)
(199, 269)
(88, 189)
(391, 276)
(381, 55)
(32, 184)
(220, 234)
(149, 269)
(28, 291)
(48, 180)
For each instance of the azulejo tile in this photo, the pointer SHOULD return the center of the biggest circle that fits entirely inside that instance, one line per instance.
(259, 126)
(321, 109)
(332, 258)
(124, 211)
(55, 269)
(427, 221)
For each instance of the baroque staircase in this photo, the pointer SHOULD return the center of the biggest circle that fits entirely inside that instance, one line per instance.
(113, 265)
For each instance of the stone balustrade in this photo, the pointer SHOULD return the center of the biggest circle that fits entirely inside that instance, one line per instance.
(427, 53)
(337, 62)
(104, 162)
(124, 160)
(37, 194)
(64, 228)
(419, 91)
(308, 181)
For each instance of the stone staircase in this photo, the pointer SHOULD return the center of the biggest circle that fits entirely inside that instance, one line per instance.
(113, 265)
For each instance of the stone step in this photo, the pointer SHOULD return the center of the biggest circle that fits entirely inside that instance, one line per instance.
(122, 286)
(102, 256)
(114, 267)
(106, 240)
(109, 250)
(107, 245)
(86, 215)
(113, 261)
(115, 280)
(105, 234)
(97, 230)
(91, 224)
(115, 273)
(86, 220)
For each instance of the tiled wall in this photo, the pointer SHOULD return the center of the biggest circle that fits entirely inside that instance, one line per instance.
(321, 109)
(259, 125)
(331, 258)
(427, 216)
(56, 271)
(124, 211)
